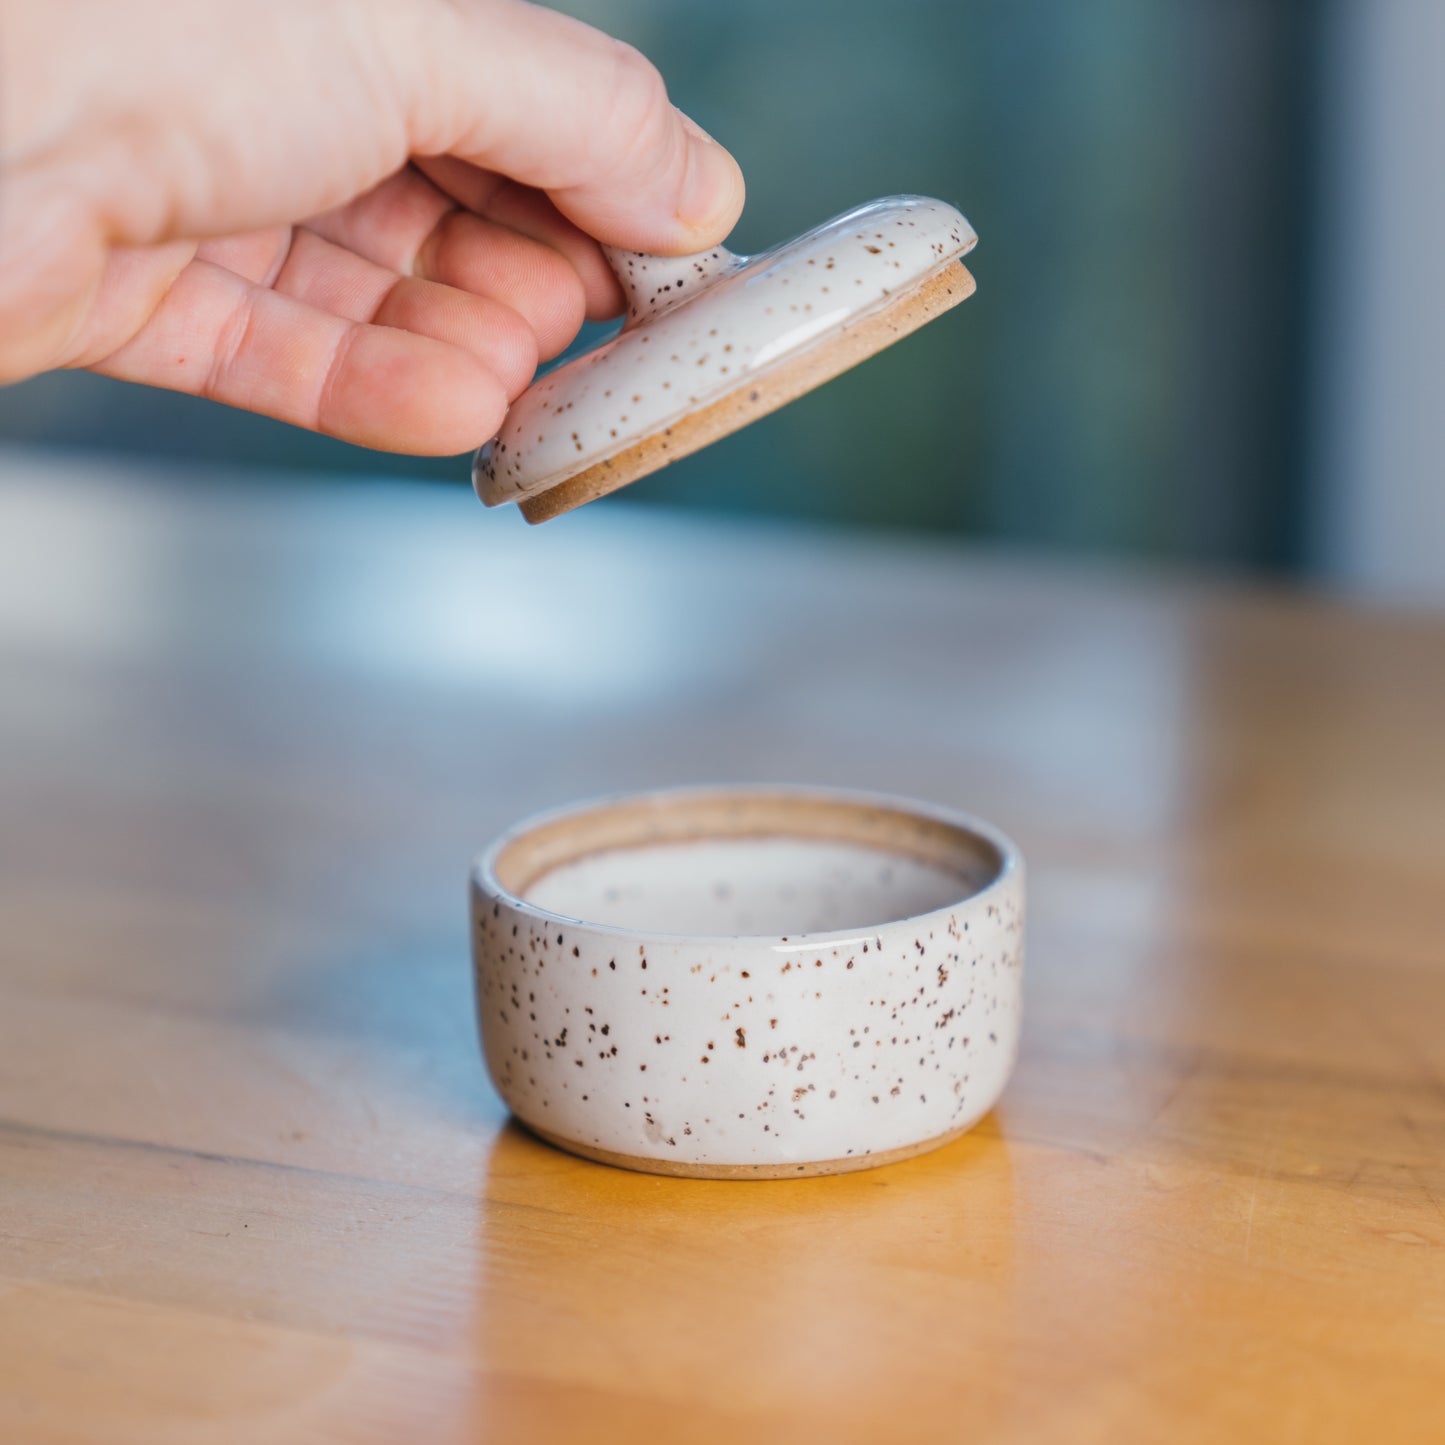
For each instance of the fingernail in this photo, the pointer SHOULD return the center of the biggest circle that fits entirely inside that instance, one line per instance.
(711, 189)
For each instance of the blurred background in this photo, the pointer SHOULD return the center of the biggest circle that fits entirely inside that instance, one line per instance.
(1209, 324)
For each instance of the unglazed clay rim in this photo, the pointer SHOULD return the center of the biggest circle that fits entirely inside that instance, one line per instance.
(813, 1169)
(965, 825)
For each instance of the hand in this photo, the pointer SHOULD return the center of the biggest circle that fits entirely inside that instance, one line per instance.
(367, 217)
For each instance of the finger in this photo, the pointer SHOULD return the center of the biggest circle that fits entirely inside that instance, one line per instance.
(256, 255)
(410, 226)
(133, 282)
(530, 213)
(219, 336)
(389, 223)
(554, 104)
(331, 278)
(532, 280)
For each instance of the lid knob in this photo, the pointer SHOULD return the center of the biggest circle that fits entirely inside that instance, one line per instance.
(655, 284)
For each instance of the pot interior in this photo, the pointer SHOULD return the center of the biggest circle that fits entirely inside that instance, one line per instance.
(739, 863)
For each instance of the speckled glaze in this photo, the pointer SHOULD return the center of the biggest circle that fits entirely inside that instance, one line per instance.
(700, 327)
(759, 1055)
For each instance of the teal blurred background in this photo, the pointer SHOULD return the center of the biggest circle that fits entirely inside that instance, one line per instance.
(1132, 376)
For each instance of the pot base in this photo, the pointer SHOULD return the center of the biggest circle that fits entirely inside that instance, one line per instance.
(849, 1164)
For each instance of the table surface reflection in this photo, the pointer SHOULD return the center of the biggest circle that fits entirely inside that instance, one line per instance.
(254, 1184)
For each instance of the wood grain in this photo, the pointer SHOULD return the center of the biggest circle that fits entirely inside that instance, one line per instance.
(254, 1185)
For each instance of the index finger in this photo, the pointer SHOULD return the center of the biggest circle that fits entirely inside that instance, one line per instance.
(554, 104)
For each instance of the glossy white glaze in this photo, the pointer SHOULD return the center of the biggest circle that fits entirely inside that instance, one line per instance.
(699, 327)
(765, 1050)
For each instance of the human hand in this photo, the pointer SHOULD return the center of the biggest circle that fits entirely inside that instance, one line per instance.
(367, 217)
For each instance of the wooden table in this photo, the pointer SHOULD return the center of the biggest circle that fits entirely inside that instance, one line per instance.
(255, 1187)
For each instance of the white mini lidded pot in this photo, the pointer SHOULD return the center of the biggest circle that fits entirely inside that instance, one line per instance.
(749, 982)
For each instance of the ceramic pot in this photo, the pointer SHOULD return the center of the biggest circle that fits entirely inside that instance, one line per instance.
(749, 982)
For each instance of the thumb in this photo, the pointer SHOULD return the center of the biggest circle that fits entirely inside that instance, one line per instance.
(553, 103)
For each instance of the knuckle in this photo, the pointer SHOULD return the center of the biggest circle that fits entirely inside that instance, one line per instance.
(516, 349)
(639, 93)
(635, 71)
(564, 311)
(560, 282)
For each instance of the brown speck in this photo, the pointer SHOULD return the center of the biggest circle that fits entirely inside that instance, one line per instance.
(742, 1037)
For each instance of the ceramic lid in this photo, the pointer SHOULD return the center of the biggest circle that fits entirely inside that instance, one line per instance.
(715, 340)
